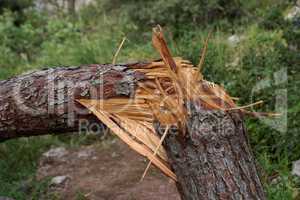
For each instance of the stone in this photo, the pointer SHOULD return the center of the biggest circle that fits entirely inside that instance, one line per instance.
(58, 152)
(293, 13)
(296, 168)
(276, 181)
(87, 153)
(58, 180)
(234, 39)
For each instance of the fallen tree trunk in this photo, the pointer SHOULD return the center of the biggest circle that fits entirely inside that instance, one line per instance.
(42, 102)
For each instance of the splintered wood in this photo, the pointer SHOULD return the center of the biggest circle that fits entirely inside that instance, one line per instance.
(169, 84)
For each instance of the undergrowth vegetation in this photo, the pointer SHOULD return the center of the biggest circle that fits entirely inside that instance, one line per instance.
(261, 64)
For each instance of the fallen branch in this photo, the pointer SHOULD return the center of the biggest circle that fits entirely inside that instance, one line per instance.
(43, 102)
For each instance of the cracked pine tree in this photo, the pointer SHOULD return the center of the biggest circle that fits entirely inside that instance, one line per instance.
(165, 110)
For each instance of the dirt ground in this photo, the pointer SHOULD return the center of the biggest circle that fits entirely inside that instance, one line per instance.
(103, 171)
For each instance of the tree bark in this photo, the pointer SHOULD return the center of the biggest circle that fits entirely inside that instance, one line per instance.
(43, 102)
(72, 6)
(213, 160)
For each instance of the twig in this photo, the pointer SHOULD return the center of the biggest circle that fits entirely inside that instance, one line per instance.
(155, 152)
(247, 106)
(261, 114)
(160, 45)
(235, 98)
(203, 53)
(118, 51)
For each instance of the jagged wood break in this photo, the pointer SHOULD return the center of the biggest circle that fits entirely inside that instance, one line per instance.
(205, 150)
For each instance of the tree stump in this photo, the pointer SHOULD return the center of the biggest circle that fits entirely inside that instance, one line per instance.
(213, 160)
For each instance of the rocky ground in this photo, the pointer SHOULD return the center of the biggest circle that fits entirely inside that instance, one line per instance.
(107, 170)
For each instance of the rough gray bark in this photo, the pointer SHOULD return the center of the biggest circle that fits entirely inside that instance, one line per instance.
(43, 102)
(213, 160)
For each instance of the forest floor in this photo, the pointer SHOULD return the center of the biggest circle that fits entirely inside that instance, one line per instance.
(108, 170)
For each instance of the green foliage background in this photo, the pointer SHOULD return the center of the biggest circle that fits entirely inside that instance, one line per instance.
(30, 40)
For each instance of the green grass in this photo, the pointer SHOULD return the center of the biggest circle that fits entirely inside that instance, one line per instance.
(43, 41)
(18, 163)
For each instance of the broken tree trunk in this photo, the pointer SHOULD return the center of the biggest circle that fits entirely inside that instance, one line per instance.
(213, 160)
(206, 147)
(42, 102)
